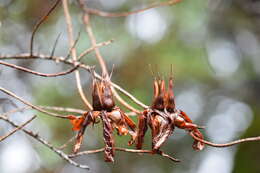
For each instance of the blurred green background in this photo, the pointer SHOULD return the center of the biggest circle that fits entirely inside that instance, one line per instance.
(214, 49)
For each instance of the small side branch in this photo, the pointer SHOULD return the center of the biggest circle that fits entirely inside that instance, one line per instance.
(38, 73)
(30, 104)
(36, 27)
(89, 50)
(17, 128)
(226, 144)
(124, 14)
(47, 144)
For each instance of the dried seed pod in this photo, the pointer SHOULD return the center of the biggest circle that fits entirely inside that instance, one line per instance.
(159, 94)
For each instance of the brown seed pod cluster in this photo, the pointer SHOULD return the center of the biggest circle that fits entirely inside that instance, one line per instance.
(111, 116)
(162, 117)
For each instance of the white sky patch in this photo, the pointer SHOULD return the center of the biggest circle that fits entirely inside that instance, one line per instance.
(149, 26)
(249, 44)
(216, 161)
(18, 157)
(223, 58)
(231, 119)
(191, 101)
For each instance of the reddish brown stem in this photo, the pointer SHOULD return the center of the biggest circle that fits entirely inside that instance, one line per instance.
(226, 144)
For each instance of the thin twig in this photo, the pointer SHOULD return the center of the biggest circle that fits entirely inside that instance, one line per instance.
(47, 144)
(31, 105)
(36, 27)
(86, 20)
(66, 143)
(63, 109)
(226, 144)
(15, 110)
(74, 53)
(73, 46)
(38, 73)
(124, 14)
(17, 128)
(55, 45)
(125, 150)
(89, 50)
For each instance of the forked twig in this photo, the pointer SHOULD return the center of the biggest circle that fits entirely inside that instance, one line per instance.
(47, 144)
(72, 63)
(226, 144)
(124, 14)
(17, 128)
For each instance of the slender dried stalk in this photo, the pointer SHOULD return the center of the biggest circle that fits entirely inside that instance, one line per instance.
(251, 139)
(125, 150)
(17, 128)
(74, 53)
(124, 14)
(46, 143)
(31, 105)
(63, 109)
(38, 73)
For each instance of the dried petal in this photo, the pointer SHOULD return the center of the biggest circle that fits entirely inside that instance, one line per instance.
(128, 121)
(87, 120)
(163, 129)
(76, 122)
(142, 128)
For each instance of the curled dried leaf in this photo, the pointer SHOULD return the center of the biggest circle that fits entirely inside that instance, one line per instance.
(108, 138)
